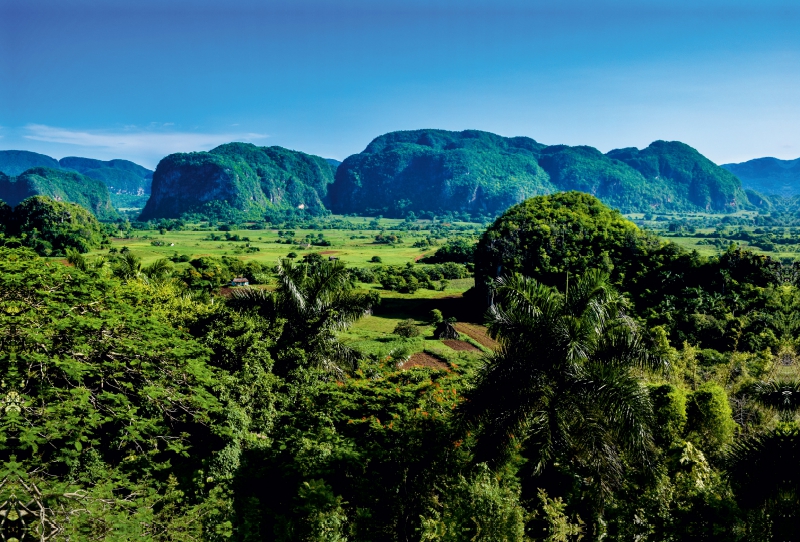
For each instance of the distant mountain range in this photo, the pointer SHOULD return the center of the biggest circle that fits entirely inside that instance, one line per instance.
(421, 171)
(769, 176)
(483, 173)
(128, 183)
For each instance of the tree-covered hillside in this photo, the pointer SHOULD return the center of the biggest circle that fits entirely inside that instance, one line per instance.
(437, 171)
(238, 179)
(128, 183)
(12, 163)
(769, 176)
(61, 186)
(120, 176)
(49, 227)
(692, 181)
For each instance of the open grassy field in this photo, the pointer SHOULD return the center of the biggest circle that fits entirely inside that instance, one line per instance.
(354, 247)
(372, 335)
(786, 241)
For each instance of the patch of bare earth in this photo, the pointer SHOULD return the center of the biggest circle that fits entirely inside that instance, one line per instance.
(461, 346)
(477, 333)
(330, 252)
(421, 359)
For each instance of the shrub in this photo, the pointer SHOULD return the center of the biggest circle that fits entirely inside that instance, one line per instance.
(376, 259)
(709, 418)
(406, 329)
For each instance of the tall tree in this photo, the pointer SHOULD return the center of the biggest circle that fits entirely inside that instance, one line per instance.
(563, 380)
(316, 300)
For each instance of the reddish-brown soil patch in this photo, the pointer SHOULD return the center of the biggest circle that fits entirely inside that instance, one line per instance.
(461, 346)
(477, 333)
(330, 252)
(226, 292)
(421, 359)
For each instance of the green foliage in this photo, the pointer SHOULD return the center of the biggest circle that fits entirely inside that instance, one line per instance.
(239, 181)
(13, 163)
(432, 172)
(695, 181)
(60, 185)
(478, 508)
(710, 422)
(51, 228)
(108, 407)
(549, 236)
(407, 328)
(317, 300)
(120, 176)
(410, 278)
(438, 171)
(458, 250)
(669, 414)
(563, 381)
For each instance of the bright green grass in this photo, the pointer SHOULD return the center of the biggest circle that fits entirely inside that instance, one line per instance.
(371, 335)
(353, 252)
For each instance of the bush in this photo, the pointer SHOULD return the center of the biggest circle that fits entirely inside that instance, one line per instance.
(51, 227)
(292, 255)
(406, 329)
(376, 259)
(710, 418)
(458, 250)
(546, 236)
(363, 274)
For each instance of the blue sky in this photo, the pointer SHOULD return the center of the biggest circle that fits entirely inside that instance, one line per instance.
(141, 79)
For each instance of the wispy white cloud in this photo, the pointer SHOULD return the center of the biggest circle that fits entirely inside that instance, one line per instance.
(135, 143)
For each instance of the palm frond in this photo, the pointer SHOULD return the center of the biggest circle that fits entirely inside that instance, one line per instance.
(783, 395)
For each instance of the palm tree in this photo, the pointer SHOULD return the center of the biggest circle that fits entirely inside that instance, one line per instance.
(128, 267)
(564, 380)
(158, 270)
(317, 301)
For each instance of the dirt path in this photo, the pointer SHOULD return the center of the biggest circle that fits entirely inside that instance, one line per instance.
(421, 359)
(477, 333)
(461, 346)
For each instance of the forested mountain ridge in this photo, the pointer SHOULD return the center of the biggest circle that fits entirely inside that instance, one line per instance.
(13, 162)
(238, 179)
(480, 172)
(770, 176)
(429, 170)
(59, 185)
(120, 176)
(123, 178)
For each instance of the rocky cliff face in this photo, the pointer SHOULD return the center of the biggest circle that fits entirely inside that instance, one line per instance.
(481, 173)
(59, 185)
(240, 179)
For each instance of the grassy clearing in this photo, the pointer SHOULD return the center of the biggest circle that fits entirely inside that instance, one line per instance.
(371, 335)
(354, 247)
